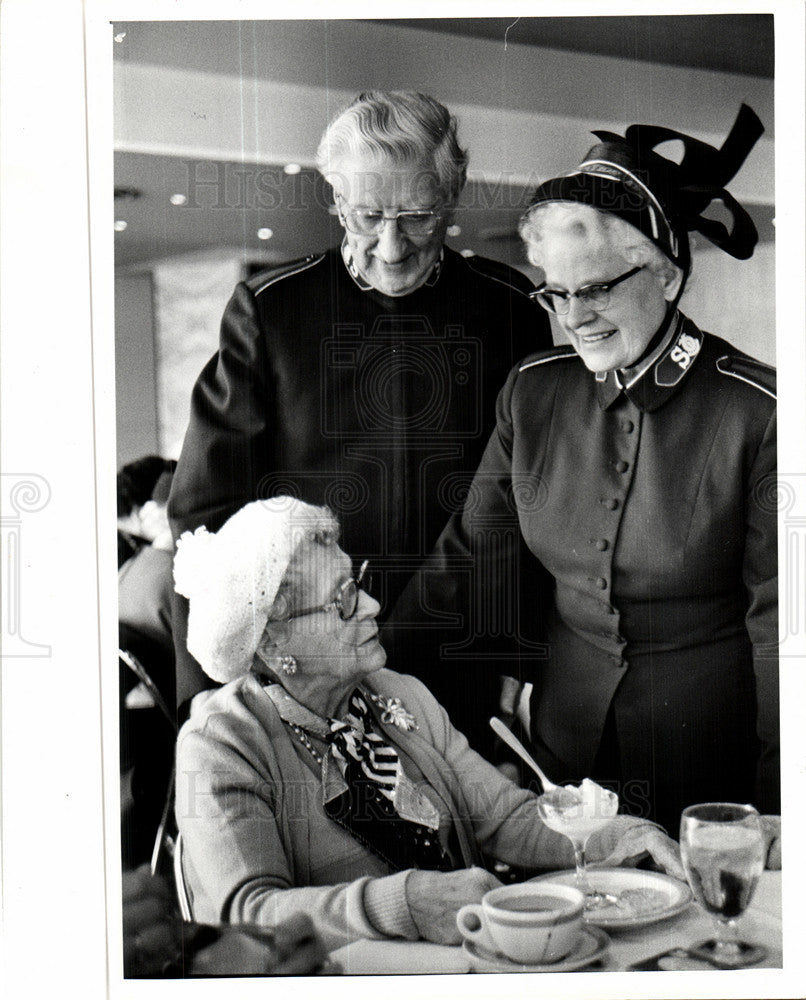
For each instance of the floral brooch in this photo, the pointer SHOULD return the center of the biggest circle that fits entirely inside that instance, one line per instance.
(392, 711)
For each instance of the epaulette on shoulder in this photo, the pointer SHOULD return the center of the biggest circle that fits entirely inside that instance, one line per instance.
(747, 369)
(502, 273)
(563, 352)
(260, 281)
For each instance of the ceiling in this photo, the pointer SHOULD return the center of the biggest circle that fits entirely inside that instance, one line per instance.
(227, 202)
(746, 40)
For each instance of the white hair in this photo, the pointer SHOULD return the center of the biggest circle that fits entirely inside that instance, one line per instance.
(599, 228)
(402, 126)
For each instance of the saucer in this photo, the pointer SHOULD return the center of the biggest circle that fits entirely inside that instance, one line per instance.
(648, 896)
(593, 943)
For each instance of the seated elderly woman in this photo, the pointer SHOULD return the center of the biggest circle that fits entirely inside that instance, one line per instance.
(317, 781)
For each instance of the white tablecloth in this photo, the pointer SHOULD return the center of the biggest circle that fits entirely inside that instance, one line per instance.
(761, 924)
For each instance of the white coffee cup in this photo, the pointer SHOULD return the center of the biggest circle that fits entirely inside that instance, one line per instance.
(534, 923)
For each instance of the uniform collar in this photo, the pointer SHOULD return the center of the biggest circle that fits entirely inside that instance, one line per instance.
(657, 377)
(365, 286)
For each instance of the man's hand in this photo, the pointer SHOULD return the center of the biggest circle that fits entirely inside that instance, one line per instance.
(435, 898)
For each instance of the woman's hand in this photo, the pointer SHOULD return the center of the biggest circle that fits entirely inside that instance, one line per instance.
(643, 840)
(435, 898)
(771, 828)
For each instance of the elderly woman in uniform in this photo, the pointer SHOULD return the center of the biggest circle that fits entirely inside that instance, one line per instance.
(317, 781)
(636, 468)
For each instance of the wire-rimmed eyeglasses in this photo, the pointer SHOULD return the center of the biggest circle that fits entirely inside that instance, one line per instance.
(594, 296)
(346, 599)
(370, 222)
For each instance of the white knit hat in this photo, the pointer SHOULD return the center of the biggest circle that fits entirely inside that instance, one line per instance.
(231, 579)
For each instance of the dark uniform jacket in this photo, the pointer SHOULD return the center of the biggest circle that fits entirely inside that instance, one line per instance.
(330, 391)
(624, 543)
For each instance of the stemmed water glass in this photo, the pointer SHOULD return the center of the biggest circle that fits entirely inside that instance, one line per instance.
(578, 813)
(722, 845)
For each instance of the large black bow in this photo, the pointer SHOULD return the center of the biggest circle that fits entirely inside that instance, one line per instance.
(687, 189)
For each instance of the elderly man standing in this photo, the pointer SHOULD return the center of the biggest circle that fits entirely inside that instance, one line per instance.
(365, 377)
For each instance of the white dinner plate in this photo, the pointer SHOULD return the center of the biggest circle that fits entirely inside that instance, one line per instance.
(593, 943)
(645, 897)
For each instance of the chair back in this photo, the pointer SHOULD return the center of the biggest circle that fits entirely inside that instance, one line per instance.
(182, 892)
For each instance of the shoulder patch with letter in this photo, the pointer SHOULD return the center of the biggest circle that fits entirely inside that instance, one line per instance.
(677, 358)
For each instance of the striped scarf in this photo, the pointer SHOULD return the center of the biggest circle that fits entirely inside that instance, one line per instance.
(354, 744)
(371, 769)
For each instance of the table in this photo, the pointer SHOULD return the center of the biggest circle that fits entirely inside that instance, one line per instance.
(761, 923)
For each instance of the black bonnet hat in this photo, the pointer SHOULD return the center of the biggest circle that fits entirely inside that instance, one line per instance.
(663, 199)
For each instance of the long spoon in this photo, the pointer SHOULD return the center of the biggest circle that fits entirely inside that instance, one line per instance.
(515, 744)
(597, 898)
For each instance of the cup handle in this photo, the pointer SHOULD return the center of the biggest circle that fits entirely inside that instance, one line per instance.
(472, 933)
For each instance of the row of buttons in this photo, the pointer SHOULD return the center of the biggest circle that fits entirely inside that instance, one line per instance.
(602, 544)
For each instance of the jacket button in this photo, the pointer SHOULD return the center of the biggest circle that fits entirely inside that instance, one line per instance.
(611, 503)
(627, 426)
(601, 545)
(601, 583)
(622, 466)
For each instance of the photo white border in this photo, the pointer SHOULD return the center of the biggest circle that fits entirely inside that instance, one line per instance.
(60, 881)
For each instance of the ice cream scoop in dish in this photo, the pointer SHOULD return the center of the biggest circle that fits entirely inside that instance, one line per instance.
(577, 811)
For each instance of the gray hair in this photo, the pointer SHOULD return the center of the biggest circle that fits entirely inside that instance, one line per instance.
(596, 227)
(402, 125)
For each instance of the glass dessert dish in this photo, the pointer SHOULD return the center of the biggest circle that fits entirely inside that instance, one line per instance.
(577, 812)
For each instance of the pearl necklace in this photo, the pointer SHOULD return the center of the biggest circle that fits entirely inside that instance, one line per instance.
(303, 738)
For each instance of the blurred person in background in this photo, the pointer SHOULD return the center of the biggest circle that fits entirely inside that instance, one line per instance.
(158, 944)
(147, 683)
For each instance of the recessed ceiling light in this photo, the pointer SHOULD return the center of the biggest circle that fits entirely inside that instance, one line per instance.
(126, 193)
(468, 253)
(292, 168)
(120, 225)
(454, 230)
(264, 234)
(179, 199)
